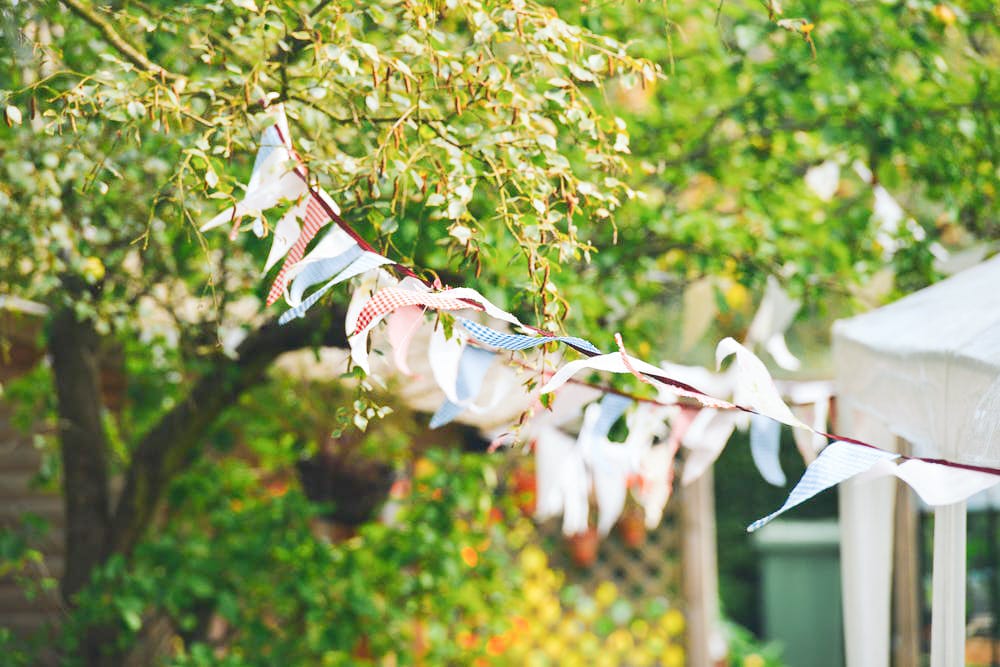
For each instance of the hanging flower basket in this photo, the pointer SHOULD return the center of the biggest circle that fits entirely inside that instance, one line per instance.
(583, 547)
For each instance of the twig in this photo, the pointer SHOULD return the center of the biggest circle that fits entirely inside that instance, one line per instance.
(111, 36)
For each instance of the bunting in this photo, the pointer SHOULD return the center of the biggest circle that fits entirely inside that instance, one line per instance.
(570, 466)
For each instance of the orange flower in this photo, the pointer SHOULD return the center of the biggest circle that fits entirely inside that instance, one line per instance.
(470, 556)
(466, 640)
(496, 645)
(277, 488)
(520, 624)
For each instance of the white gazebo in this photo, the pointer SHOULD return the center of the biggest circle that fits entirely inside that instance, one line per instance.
(921, 374)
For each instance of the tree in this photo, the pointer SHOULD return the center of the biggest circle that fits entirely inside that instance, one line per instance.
(138, 121)
(488, 140)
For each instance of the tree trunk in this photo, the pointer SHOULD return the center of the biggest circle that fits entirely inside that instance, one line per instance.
(83, 447)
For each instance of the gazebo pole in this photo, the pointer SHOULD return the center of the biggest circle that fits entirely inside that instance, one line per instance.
(906, 576)
(866, 544)
(948, 601)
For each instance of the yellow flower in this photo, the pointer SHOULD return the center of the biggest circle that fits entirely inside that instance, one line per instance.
(753, 660)
(673, 622)
(619, 641)
(944, 14)
(423, 468)
(533, 559)
(93, 269)
(606, 593)
(673, 656)
(737, 296)
(639, 628)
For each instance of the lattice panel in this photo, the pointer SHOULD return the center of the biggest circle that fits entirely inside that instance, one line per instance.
(624, 610)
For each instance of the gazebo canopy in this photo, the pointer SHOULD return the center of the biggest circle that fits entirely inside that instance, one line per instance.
(928, 366)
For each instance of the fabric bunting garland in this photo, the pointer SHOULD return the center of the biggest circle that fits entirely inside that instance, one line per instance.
(569, 467)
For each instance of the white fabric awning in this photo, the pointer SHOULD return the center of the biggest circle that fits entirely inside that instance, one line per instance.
(928, 366)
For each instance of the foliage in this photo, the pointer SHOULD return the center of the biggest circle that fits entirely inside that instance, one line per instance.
(746, 651)
(249, 556)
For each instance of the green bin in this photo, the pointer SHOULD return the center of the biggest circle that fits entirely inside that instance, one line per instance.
(800, 586)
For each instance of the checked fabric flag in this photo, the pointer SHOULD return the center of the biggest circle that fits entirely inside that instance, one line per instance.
(507, 341)
(315, 218)
(389, 299)
(837, 463)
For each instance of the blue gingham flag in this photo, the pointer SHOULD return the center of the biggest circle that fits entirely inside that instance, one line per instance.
(472, 369)
(613, 406)
(506, 341)
(765, 442)
(838, 462)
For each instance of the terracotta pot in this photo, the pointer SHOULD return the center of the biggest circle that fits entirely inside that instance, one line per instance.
(583, 547)
(525, 490)
(632, 528)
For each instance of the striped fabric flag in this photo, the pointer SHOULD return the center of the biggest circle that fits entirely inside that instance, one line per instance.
(837, 463)
(507, 341)
(315, 218)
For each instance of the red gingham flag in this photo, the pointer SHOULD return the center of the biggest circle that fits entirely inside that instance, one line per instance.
(316, 218)
(389, 299)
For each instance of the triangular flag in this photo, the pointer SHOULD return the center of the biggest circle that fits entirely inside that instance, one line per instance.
(754, 386)
(765, 443)
(838, 462)
(286, 232)
(472, 369)
(401, 326)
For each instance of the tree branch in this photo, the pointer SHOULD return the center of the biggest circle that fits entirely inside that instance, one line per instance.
(169, 447)
(112, 37)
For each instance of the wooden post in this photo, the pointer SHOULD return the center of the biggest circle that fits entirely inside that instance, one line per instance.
(700, 570)
(906, 577)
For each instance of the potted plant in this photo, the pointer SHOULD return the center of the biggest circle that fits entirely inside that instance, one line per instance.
(583, 547)
(632, 527)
